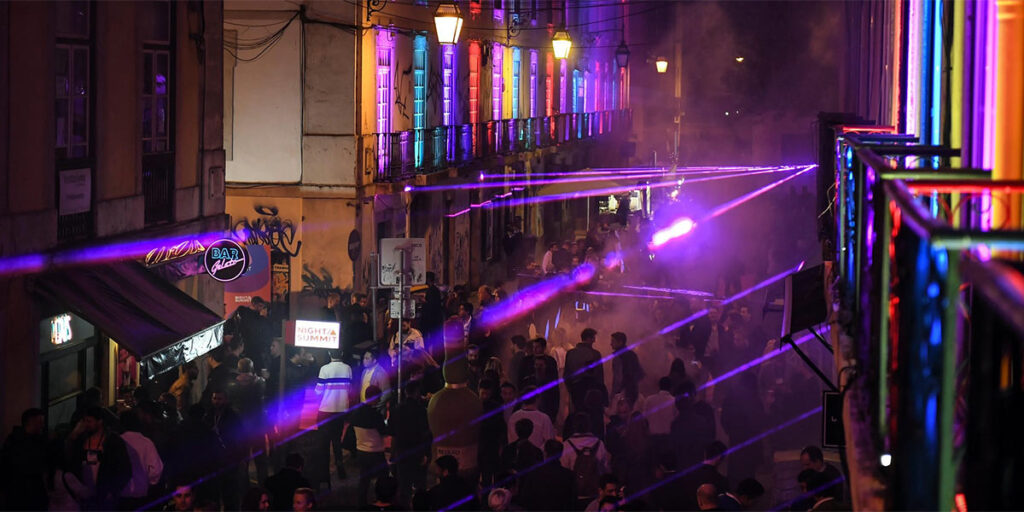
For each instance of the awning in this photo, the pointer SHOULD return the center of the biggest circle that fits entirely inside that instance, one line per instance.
(154, 321)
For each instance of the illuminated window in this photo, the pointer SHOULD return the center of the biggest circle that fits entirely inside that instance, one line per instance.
(499, 10)
(474, 82)
(497, 61)
(563, 87)
(448, 84)
(549, 84)
(533, 83)
(385, 58)
(516, 67)
(419, 88)
(596, 104)
(156, 80)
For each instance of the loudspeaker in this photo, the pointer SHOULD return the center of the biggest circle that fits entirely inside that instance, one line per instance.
(832, 433)
(805, 305)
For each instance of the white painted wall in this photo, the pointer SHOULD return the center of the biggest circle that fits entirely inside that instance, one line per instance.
(266, 99)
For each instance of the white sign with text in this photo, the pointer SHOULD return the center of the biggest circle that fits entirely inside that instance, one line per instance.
(311, 334)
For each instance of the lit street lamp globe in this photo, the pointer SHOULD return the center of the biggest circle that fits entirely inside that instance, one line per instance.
(448, 22)
(661, 64)
(561, 43)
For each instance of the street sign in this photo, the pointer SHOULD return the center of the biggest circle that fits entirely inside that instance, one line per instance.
(415, 261)
(396, 306)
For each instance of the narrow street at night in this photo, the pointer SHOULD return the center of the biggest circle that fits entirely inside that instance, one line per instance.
(511, 255)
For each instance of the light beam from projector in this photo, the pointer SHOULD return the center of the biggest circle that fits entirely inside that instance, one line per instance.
(672, 182)
(527, 183)
(751, 195)
(627, 171)
(675, 291)
(534, 296)
(677, 229)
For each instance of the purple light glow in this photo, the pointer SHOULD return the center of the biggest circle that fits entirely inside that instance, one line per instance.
(678, 229)
(626, 170)
(534, 296)
(671, 182)
(456, 214)
(730, 450)
(526, 183)
(137, 249)
(677, 291)
(629, 295)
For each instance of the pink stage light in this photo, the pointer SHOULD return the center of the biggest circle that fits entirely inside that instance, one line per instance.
(678, 229)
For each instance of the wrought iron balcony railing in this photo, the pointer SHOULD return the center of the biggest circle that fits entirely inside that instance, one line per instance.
(403, 154)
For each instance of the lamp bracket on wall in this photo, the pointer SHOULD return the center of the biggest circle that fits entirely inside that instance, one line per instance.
(514, 26)
(373, 6)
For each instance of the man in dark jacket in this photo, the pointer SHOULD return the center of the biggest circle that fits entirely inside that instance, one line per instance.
(282, 485)
(98, 457)
(412, 440)
(521, 455)
(550, 486)
(583, 369)
(707, 473)
(432, 318)
(492, 432)
(452, 491)
(23, 464)
(625, 366)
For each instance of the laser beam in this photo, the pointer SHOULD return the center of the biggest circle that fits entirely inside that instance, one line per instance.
(577, 194)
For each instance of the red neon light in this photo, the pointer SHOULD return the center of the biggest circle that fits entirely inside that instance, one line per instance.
(867, 129)
(549, 84)
(966, 187)
(961, 502)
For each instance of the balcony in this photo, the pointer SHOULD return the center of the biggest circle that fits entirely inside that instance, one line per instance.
(401, 155)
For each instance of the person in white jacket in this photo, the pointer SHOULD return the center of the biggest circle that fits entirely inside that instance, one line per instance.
(147, 467)
(333, 386)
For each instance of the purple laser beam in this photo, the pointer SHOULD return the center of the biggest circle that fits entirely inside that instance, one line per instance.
(618, 190)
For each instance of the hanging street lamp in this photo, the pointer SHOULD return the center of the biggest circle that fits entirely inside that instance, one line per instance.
(661, 64)
(622, 55)
(561, 43)
(448, 22)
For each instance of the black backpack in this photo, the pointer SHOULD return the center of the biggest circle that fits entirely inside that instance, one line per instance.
(587, 468)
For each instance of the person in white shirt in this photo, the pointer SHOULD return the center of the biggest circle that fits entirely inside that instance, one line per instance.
(146, 464)
(660, 409)
(374, 375)
(542, 427)
(333, 386)
(547, 265)
(407, 335)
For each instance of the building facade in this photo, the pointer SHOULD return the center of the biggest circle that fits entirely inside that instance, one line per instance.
(116, 169)
(345, 126)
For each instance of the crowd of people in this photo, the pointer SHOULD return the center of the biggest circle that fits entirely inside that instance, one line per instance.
(587, 406)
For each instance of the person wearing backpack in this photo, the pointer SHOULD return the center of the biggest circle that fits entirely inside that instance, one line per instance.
(585, 455)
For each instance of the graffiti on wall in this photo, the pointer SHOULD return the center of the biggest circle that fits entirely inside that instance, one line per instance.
(319, 284)
(402, 85)
(268, 229)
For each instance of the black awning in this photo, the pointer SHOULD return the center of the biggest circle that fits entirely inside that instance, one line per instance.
(154, 321)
